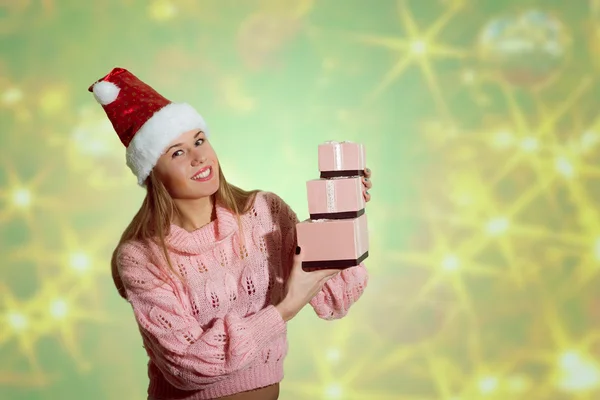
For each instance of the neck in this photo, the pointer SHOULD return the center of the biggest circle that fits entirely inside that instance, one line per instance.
(194, 213)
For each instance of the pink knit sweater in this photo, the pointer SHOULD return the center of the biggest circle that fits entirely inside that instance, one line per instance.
(217, 332)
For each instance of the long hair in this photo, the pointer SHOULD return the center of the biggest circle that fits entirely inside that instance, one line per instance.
(153, 220)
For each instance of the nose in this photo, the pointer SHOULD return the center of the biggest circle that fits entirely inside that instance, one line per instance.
(198, 159)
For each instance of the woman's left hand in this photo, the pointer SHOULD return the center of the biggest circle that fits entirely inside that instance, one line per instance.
(367, 184)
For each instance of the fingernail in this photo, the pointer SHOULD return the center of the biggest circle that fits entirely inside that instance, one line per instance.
(366, 179)
(297, 249)
(367, 170)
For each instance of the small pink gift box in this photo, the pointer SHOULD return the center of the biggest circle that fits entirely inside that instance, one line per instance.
(337, 159)
(340, 243)
(335, 198)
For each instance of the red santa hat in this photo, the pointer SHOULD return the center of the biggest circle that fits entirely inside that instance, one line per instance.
(144, 120)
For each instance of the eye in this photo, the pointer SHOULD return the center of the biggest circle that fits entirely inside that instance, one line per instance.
(177, 153)
(199, 142)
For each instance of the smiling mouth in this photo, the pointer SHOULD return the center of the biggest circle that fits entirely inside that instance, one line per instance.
(203, 175)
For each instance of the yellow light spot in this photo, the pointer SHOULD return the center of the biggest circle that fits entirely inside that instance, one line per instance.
(529, 144)
(58, 309)
(503, 139)
(564, 167)
(333, 392)
(91, 139)
(577, 373)
(52, 101)
(12, 96)
(488, 384)
(162, 10)
(23, 115)
(569, 360)
(450, 263)
(496, 226)
(463, 199)
(597, 249)
(17, 321)
(468, 76)
(80, 261)
(343, 115)
(451, 132)
(329, 64)
(589, 139)
(517, 384)
(418, 47)
(333, 355)
(235, 95)
(21, 198)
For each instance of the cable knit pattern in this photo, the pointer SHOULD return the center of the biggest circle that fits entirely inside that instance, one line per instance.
(216, 332)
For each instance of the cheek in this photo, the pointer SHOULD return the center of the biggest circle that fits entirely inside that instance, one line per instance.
(174, 176)
(216, 179)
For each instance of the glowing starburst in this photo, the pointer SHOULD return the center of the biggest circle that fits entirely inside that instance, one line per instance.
(77, 261)
(574, 369)
(419, 47)
(22, 199)
(55, 310)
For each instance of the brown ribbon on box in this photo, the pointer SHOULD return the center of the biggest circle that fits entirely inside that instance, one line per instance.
(334, 264)
(338, 215)
(341, 264)
(340, 174)
(332, 212)
(338, 161)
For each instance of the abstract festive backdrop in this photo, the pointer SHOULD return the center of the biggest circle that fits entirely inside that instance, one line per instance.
(480, 120)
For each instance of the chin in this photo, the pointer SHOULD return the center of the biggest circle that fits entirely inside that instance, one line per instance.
(214, 188)
(204, 189)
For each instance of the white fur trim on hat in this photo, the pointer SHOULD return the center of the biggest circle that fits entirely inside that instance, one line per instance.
(166, 125)
(106, 92)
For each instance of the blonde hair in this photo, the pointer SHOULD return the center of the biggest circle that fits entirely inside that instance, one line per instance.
(153, 220)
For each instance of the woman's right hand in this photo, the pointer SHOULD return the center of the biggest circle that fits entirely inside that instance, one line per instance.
(301, 287)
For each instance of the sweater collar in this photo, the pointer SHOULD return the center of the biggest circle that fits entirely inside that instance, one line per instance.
(204, 238)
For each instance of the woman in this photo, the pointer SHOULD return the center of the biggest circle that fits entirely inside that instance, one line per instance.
(212, 272)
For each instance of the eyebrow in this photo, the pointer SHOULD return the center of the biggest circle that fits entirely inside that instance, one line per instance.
(181, 144)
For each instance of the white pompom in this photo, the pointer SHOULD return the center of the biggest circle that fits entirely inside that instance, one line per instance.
(106, 92)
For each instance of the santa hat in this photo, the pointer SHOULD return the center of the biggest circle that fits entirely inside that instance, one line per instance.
(144, 120)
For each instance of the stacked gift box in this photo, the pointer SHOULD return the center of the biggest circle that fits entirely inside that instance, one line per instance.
(336, 234)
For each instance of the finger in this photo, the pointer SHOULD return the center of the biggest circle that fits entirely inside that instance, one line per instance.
(327, 273)
(324, 280)
(367, 183)
(322, 283)
(367, 196)
(298, 257)
(367, 173)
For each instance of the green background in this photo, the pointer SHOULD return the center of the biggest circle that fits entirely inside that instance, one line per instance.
(480, 124)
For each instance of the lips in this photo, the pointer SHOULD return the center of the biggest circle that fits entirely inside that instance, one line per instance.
(203, 175)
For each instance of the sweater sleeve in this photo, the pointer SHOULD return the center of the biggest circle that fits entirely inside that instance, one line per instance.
(340, 292)
(189, 357)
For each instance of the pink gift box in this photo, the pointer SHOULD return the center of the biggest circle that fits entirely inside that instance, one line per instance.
(335, 198)
(337, 159)
(340, 243)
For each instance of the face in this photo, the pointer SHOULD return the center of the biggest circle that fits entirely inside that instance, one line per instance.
(189, 168)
